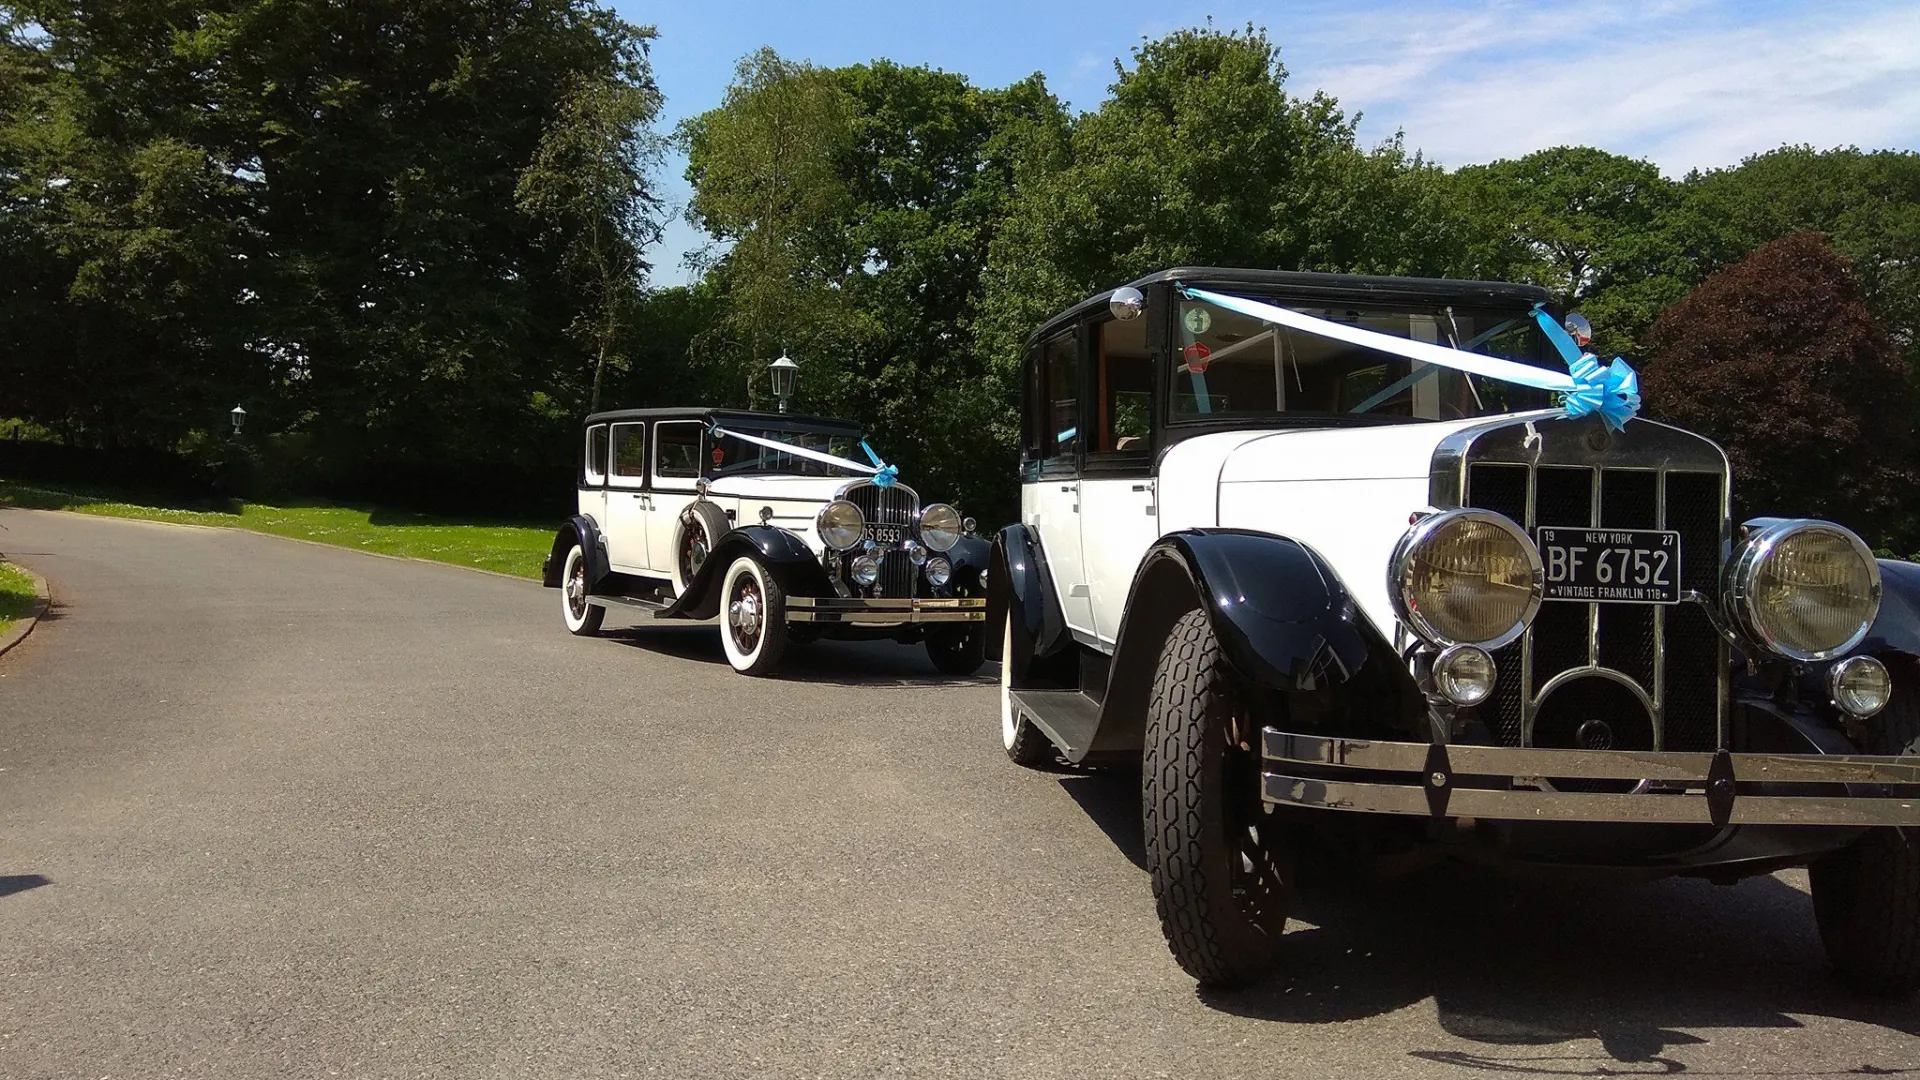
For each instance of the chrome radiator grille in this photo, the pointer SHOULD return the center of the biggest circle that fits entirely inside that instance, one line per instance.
(893, 516)
(892, 513)
(1654, 675)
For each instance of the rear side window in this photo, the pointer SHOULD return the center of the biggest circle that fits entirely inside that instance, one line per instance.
(677, 449)
(1060, 432)
(630, 452)
(596, 454)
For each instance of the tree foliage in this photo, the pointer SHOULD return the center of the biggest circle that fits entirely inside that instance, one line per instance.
(1778, 358)
(410, 235)
(310, 208)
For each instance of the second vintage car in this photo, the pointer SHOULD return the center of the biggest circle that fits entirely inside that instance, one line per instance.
(770, 525)
(1387, 567)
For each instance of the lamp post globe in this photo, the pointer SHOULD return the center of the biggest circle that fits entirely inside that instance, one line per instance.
(785, 373)
(239, 417)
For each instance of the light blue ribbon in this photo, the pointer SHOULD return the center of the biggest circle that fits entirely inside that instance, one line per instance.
(884, 475)
(1612, 390)
(1586, 387)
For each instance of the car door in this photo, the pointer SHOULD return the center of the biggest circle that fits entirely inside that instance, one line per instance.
(1119, 512)
(629, 504)
(1051, 504)
(676, 473)
(593, 475)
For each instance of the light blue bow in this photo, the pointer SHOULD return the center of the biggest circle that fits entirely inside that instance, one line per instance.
(1613, 391)
(884, 475)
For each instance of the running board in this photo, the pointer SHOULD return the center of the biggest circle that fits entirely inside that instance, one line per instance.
(1068, 717)
(628, 602)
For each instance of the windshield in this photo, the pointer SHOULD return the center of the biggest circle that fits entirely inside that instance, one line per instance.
(1233, 365)
(738, 457)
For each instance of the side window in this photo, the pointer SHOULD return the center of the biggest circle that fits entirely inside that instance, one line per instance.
(1123, 389)
(1032, 396)
(629, 454)
(595, 471)
(1060, 434)
(676, 449)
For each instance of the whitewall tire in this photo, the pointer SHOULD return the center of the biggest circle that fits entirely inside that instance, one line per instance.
(1024, 743)
(753, 617)
(581, 618)
(697, 530)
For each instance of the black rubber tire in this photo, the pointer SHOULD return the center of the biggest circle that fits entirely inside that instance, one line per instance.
(1025, 744)
(587, 622)
(1866, 897)
(1220, 933)
(770, 644)
(956, 651)
(710, 520)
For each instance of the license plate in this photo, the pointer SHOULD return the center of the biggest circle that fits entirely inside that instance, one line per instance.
(1611, 566)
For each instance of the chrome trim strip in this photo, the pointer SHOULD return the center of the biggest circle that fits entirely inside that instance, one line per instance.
(1529, 805)
(1283, 747)
(854, 610)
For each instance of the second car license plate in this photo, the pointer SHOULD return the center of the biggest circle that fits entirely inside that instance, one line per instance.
(1621, 566)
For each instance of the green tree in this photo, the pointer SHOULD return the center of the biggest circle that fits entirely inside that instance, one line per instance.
(867, 265)
(1603, 232)
(1778, 358)
(588, 183)
(765, 173)
(312, 208)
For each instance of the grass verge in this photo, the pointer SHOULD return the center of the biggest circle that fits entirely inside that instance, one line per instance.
(507, 547)
(16, 596)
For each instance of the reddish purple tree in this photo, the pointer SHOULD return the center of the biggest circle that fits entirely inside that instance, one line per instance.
(1777, 359)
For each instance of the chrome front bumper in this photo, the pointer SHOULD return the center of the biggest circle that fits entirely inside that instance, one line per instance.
(1502, 783)
(856, 611)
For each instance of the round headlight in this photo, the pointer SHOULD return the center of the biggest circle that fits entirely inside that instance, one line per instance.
(1466, 577)
(840, 524)
(939, 571)
(941, 526)
(866, 570)
(1464, 674)
(1860, 686)
(1808, 590)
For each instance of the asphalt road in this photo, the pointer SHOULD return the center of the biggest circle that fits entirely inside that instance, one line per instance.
(274, 809)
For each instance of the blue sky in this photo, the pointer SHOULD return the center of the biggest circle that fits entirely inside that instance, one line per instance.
(1684, 83)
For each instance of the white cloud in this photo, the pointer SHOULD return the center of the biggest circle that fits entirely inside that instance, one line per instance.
(1686, 84)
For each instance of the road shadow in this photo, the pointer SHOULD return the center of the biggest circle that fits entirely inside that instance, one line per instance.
(19, 883)
(838, 663)
(1522, 963)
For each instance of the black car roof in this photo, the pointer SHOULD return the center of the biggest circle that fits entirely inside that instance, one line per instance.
(743, 417)
(1294, 284)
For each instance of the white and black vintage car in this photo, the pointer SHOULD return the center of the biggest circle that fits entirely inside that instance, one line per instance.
(1336, 592)
(770, 524)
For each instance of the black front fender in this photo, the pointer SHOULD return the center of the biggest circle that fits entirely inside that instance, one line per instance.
(1019, 583)
(784, 554)
(1281, 615)
(970, 556)
(580, 530)
(1897, 629)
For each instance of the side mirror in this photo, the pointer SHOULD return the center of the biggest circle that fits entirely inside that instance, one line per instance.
(1579, 328)
(1126, 303)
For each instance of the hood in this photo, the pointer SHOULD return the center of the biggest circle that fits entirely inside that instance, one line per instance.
(1389, 452)
(820, 488)
(1347, 493)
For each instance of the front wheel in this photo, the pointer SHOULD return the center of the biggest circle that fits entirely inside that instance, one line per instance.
(1866, 896)
(1216, 858)
(1025, 744)
(581, 617)
(753, 617)
(956, 651)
